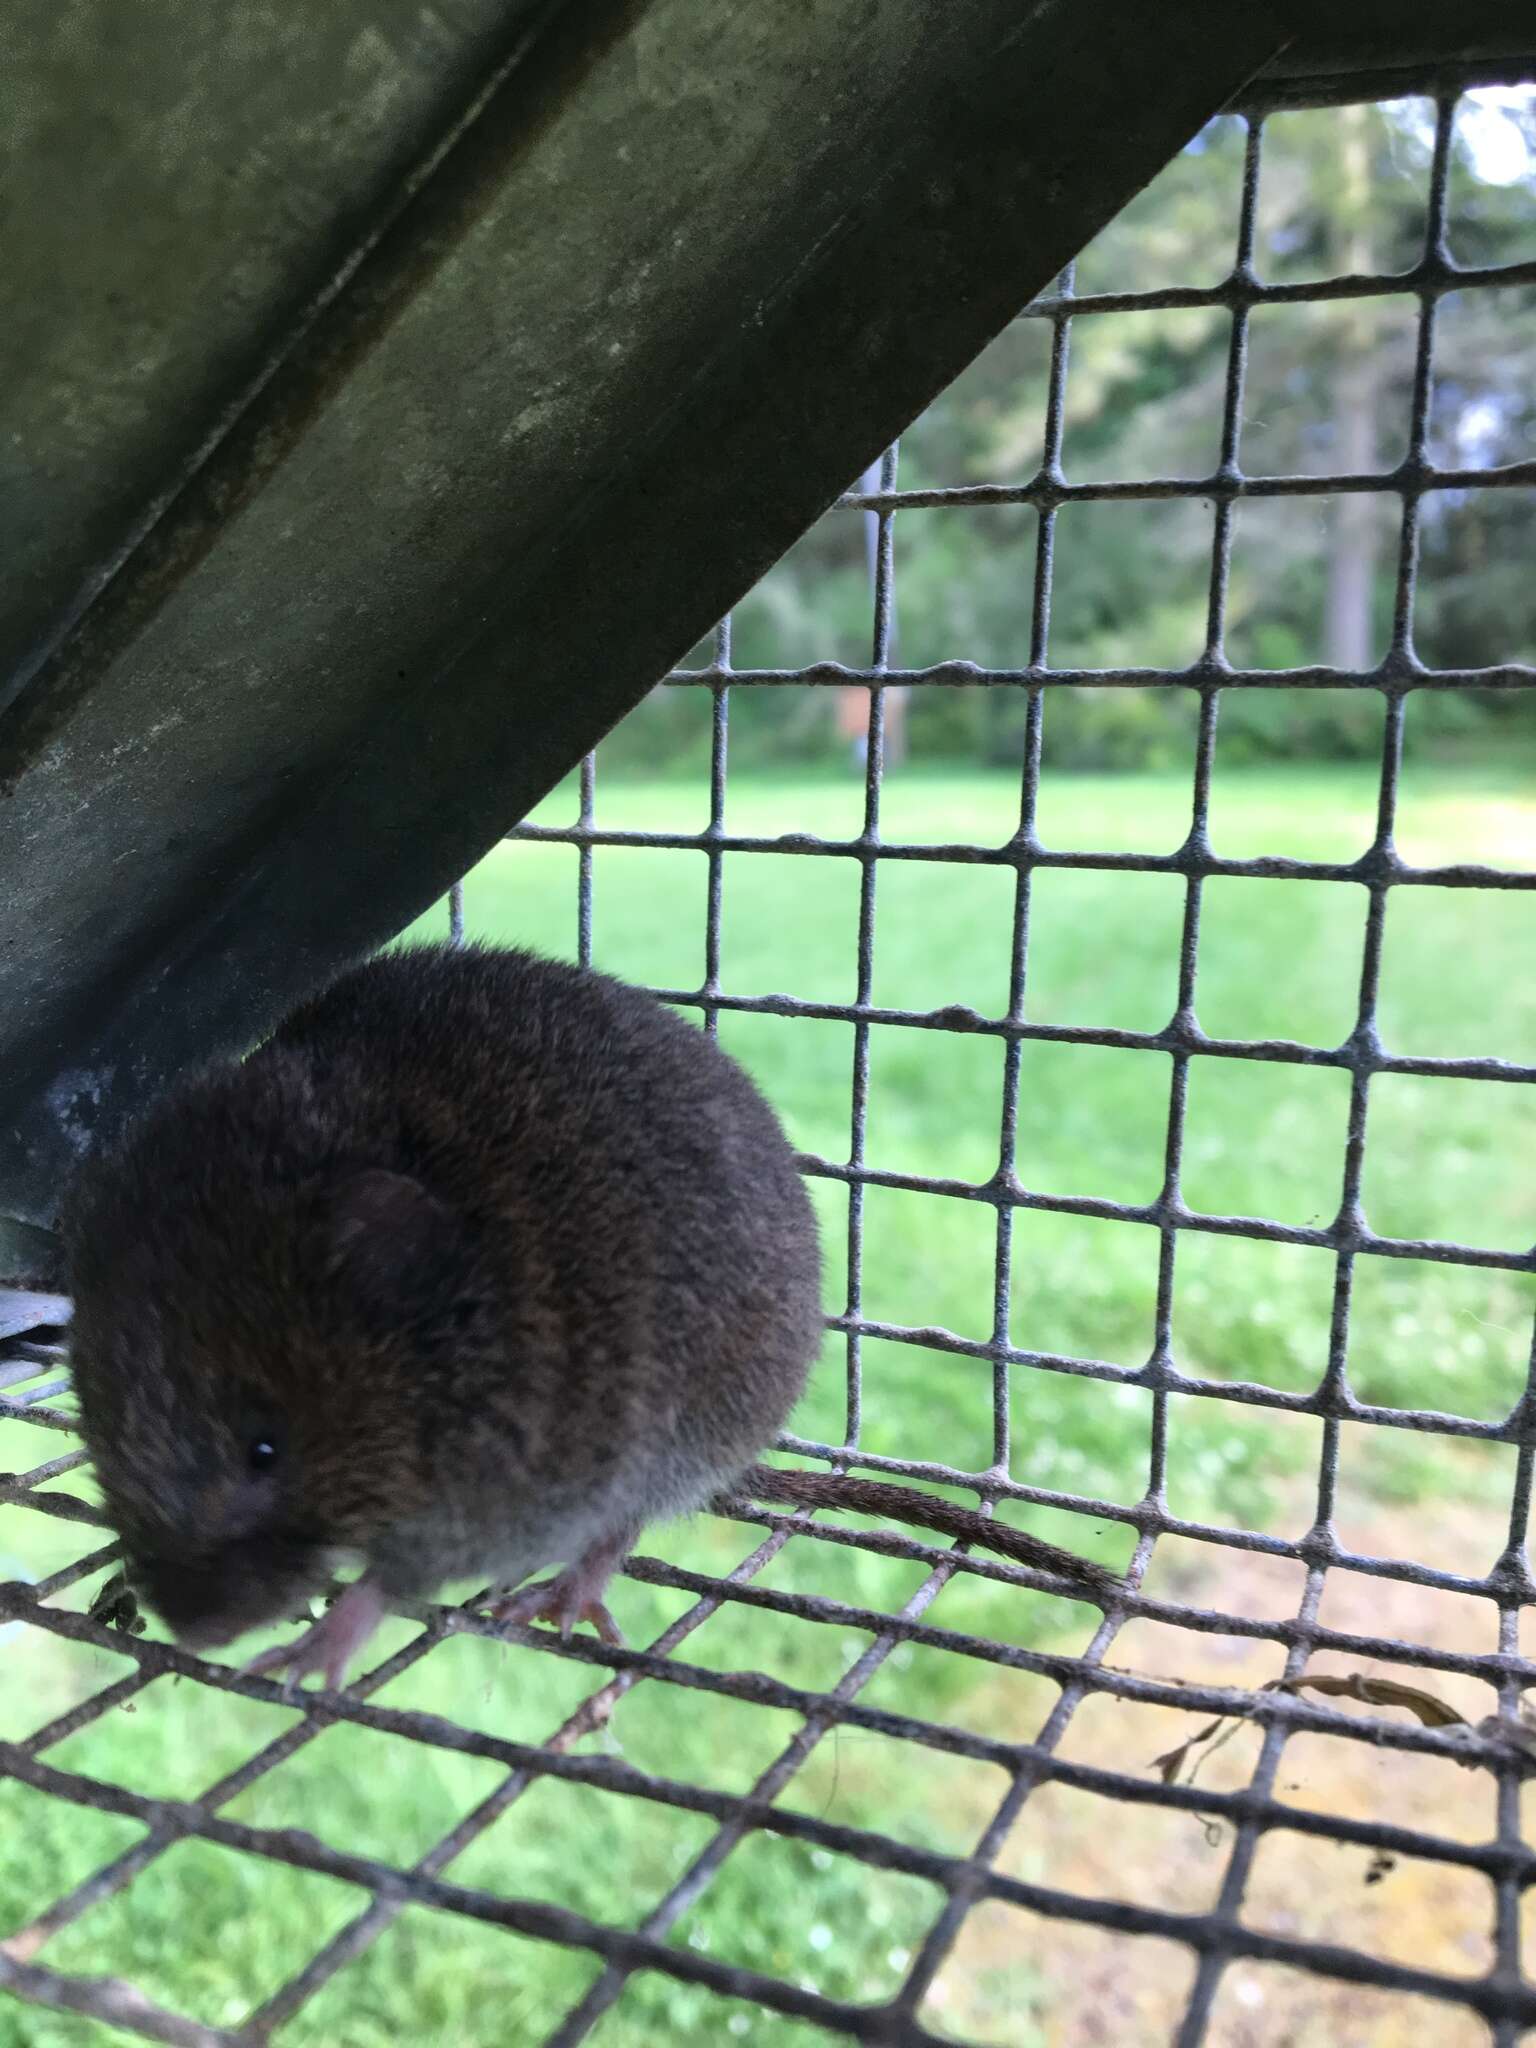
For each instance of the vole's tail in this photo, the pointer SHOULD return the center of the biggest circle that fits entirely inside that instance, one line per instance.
(795, 1487)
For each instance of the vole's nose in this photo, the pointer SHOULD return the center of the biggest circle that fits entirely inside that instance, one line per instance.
(192, 1598)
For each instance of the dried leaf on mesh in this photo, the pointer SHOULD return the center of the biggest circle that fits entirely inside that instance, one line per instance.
(1200, 1746)
(1372, 1691)
(1365, 1686)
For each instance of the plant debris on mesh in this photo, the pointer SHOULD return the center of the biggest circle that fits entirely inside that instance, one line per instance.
(1408, 1717)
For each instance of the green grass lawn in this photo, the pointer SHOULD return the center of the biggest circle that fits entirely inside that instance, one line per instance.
(208, 1932)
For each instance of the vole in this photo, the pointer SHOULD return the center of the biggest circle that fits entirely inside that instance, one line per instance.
(480, 1263)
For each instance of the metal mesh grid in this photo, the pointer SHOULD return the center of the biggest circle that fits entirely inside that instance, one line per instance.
(32, 1390)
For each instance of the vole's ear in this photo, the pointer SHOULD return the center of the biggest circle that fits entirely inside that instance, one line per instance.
(396, 1249)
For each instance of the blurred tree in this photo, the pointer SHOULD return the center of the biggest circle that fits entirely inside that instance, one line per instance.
(1360, 373)
(1328, 390)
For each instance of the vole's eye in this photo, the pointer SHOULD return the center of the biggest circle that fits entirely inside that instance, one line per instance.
(260, 1431)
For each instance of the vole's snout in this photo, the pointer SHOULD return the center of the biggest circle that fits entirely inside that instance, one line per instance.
(191, 1599)
(208, 1601)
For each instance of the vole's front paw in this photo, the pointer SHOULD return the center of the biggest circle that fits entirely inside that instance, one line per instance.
(329, 1644)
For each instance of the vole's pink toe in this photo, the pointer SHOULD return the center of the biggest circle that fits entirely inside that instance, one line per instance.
(607, 1628)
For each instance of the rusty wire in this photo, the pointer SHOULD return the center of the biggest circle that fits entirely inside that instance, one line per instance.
(33, 1389)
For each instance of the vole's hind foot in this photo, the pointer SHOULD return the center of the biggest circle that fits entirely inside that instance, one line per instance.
(574, 1595)
(328, 1645)
(555, 1600)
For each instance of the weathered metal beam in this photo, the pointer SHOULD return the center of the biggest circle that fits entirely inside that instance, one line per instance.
(688, 267)
(1362, 44)
(183, 187)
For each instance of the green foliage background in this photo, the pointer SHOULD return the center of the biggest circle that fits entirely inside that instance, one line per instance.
(1144, 399)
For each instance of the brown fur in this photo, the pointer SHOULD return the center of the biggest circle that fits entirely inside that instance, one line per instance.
(499, 1254)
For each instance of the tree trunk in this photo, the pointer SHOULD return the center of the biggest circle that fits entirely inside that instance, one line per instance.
(1354, 525)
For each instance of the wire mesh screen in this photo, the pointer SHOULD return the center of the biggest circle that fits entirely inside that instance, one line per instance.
(754, 1893)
